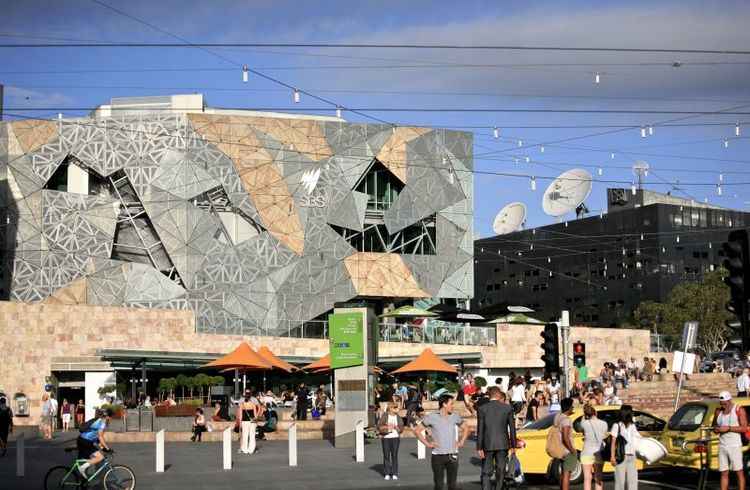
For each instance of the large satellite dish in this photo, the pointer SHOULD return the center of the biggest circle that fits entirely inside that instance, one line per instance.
(510, 218)
(566, 192)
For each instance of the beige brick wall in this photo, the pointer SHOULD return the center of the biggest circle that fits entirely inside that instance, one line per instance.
(32, 334)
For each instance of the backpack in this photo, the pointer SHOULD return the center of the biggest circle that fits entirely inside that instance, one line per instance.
(86, 426)
(554, 445)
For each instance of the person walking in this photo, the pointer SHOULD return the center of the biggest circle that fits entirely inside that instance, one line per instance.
(442, 441)
(743, 383)
(302, 395)
(568, 462)
(731, 422)
(496, 436)
(65, 410)
(246, 413)
(626, 473)
(6, 424)
(46, 418)
(80, 413)
(518, 395)
(390, 427)
(594, 432)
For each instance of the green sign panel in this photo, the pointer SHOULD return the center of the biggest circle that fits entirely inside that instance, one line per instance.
(347, 339)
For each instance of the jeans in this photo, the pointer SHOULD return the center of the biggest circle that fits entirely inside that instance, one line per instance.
(494, 461)
(247, 437)
(442, 463)
(626, 474)
(302, 410)
(390, 455)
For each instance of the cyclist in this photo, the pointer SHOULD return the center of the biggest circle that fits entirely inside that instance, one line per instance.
(91, 434)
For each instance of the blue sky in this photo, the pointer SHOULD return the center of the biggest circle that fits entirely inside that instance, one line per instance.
(379, 78)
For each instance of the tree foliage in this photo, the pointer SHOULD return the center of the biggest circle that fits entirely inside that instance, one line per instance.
(702, 301)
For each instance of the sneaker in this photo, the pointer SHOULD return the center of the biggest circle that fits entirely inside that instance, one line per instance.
(395, 477)
(387, 477)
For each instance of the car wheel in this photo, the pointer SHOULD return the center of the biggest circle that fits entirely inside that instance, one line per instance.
(555, 470)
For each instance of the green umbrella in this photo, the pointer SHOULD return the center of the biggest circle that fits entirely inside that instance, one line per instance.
(517, 319)
(408, 311)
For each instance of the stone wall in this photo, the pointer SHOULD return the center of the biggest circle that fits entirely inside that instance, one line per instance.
(32, 335)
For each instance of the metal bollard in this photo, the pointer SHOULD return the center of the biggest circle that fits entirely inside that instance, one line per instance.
(421, 450)
(20, 455)
(227, 447)
(360, 441)
(160, 451)
(293, 444)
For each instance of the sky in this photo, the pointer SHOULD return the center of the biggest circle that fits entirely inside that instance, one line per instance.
(688, 159)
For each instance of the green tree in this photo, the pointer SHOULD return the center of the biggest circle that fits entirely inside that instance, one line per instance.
(171, 384)
(181, 381)
(202, 381)
(190, 384)
(702, 301)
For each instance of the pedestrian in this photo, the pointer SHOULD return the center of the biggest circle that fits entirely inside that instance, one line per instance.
(731, 423)
(80, 413)
(6, 424)
(302, 395)
(413, 405)
(532, 412)
(518, 395)
(662, 365)
(442, 441)
(390, 427)
(46, 418)
(216, 417)
(199, 425)
(594, 432)
(568, 462)
(496, 436)
(246, 413)
(626, 473)
(743, 383)
(65, 410)
(53, 413)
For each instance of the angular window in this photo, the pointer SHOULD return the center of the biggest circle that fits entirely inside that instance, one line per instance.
(381, 185)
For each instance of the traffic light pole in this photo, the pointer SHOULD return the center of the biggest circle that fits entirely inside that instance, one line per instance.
(565, 337)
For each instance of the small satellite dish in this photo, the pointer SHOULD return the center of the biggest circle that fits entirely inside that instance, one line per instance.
(510, 218)
(566, 192)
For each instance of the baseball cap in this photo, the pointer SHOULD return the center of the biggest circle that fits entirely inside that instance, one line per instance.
(725, 396)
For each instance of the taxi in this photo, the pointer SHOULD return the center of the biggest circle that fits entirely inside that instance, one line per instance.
(695, 420)
(532, 440)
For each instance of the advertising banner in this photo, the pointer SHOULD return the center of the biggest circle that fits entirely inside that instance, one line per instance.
(347, 339)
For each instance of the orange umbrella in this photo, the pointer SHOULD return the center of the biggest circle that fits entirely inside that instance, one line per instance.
(322, 364)
(243, 357)
(427, 361)
(269, 356)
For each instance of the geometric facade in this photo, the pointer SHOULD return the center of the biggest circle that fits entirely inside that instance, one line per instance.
(252, 222)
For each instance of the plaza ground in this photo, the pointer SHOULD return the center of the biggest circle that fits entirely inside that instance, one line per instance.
(321, 466)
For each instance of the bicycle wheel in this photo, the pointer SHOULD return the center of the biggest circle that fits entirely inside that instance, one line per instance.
(119, 477)
(56, 478)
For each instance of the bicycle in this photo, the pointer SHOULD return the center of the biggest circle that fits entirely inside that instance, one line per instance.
(114, 477)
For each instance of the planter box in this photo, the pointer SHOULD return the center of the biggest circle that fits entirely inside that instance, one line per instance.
(179, 410)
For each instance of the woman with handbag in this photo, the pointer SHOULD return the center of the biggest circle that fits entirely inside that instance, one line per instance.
(247, 411)
(624, 433)
(594, 432)
(390, 427)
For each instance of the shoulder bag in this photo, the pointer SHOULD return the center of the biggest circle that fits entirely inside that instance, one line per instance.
(554, 446)
(619, 443)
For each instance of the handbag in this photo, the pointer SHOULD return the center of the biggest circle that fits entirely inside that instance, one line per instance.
(554, 445)
(619, 442)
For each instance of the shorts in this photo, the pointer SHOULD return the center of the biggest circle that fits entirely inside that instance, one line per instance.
(730, 458)
(592, 459)
(66, 418)
(570, 462)
(85, 448)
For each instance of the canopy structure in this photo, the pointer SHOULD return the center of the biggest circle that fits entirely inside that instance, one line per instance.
(241, 358)
(409, 311)
(274, 361)
(426, 362)
(322, 364)
(517, 319)
(450, 313)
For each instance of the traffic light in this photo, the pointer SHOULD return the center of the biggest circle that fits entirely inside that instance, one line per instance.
(551, 348)
(737, 263)
(579, 354)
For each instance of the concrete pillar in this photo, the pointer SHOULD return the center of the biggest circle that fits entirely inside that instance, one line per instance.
(227, 448)
(160, 451)
(360, 441)
(293, 444)
(78, 180)
(92, 382)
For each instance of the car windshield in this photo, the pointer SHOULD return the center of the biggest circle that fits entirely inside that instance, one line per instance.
(688, 417)
(541, 424)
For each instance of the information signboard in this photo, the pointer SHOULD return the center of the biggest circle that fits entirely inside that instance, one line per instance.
(347, 339)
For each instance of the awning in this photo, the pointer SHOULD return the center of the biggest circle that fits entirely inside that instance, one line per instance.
(426, 362)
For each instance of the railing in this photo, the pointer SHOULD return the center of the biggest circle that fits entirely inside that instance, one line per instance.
(438, 333)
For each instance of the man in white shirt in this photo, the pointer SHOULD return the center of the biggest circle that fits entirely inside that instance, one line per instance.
(743, 383)
(53, 410)
(731, 422)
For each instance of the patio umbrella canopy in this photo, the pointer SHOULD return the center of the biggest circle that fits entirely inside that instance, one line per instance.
(243, 358)
(517, 319)
(450, 313)
(322, 364)
(274, 361)
(426, 362)
(408, 311)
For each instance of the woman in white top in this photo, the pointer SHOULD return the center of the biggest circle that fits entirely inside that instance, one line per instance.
(594, 432)
(626, 473)
(390, 427)
(518, 395)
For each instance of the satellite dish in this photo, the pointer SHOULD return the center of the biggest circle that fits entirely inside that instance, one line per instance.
(566, 192)
(510, 218)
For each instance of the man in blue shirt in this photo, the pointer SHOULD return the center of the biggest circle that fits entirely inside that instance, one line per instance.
(91, 434)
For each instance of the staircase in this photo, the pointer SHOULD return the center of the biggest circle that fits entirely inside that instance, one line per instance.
(657, 396)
